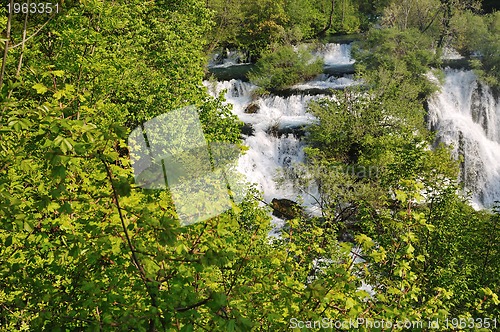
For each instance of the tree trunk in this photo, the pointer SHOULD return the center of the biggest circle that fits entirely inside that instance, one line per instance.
(6, 50)
(330, 21)
(446, 22)
(20, 63)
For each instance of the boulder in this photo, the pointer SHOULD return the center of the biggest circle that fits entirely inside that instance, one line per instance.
(247, 129)
(286, 209)
(252, 108)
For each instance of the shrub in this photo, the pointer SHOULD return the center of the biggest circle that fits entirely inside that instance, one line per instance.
(283, 67)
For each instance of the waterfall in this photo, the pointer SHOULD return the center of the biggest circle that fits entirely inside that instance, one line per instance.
(274, 147)
(274, 140)
(335, 54)
(466, 115)
(324, 81)
(230, 58)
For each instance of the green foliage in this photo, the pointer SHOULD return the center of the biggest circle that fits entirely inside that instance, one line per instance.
(218, 123)
(285, 66)
(256, 26)
(82, 247)
(469, 262)
(304, 19)
(346, 17)
(451, 23)
(368, 125)
(470, 29)
(370, 141)
(417, 236)
(396, 62)
(69, 204)
(392, 49)
(370, 11)
(480, 34)
(248, 25)
(228, 17)
(414, 14)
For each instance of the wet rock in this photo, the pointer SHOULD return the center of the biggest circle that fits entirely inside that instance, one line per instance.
(247, 129)
(238, 72)
(276, 130)
(252, 108)
(286, 209)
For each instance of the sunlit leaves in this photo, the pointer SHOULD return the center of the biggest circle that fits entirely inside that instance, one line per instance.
(69, 205)
(40, 88)
(284, 66)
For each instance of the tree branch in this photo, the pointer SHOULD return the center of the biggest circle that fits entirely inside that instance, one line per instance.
(197, 304)
(18, 71)
(142, 272)
(34, 34)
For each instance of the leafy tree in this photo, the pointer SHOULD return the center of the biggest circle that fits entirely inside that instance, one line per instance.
(285, 66)
(410, 213)
(397, 62)
(346, 17)
(406, 215)
(422, 15)
(305, 19)
(265, 22)
(228, 18)
(256, 26)
(81, 246)
(467, 263)
(479, 34)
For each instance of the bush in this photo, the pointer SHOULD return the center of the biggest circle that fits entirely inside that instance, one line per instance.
(396, 61)
(284, 67)
(481, 35)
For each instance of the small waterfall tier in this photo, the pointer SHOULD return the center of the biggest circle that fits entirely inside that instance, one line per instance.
(234, 64)
(334, 54)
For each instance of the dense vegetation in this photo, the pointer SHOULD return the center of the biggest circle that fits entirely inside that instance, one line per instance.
(82, 247)
(284, 66)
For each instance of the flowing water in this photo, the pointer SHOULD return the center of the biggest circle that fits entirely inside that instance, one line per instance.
(275, 144)
(335, 54)
(466, 114)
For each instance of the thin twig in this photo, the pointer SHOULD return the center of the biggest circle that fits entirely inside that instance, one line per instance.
(23, 43)
(197, 304)
(34, 34)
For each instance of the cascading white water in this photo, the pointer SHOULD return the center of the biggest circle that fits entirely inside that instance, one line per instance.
(451, 54)
(324, 81)
(335, 54)
(466, 114)
(227, 59)
(273, 147)
(270, 153)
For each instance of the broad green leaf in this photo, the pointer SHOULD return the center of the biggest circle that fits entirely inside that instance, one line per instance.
(40, 88)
